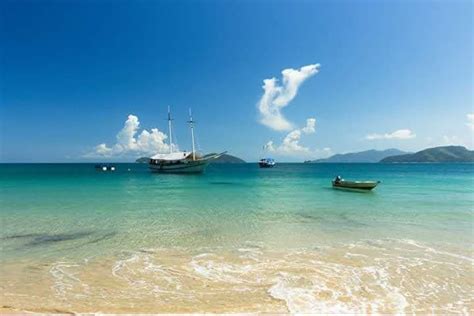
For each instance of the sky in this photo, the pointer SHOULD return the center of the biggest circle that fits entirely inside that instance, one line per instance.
(92, 80)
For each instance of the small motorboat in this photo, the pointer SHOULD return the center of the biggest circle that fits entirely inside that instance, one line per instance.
(266, 163)
(338, 182)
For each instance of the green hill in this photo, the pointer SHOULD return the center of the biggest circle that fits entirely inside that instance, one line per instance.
(436, 154)
(225, 158)
(143, 160)
(360, 157)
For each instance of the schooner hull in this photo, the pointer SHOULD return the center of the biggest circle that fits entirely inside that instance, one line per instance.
(184, 167)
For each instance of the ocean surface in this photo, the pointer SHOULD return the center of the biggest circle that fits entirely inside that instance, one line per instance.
(237, 239)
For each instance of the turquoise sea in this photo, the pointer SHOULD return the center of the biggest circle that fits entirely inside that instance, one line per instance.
(237, 239)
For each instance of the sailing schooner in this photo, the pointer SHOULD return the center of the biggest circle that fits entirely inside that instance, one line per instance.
(181, 161)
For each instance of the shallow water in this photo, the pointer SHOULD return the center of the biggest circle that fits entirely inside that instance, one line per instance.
(237, 239)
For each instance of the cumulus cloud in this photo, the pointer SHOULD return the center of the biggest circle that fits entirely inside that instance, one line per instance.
(447, 140)
(326, 152)
(470, 120)
(452, 140)
(103, 150)
(310, 126)
(276, 96)
(399, 134)
(291, 143)
(146, 143)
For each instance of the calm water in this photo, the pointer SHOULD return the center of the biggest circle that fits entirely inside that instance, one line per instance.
(237, 238)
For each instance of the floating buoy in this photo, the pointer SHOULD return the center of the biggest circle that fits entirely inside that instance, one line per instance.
(105, 167)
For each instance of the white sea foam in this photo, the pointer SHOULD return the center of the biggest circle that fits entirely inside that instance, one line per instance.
(377, 279)
(298, 300)
(439, 252)
(64, 279)
(122, 264)
(250, 253)
(214, 268)
(352, 255)
(316, 294)
(141, 272)
(383, 276)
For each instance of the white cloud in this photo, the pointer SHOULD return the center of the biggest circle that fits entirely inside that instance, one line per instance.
(103, 150)
(470, 120)
(399, 134)
(276, 97)
(290, 145)
(310, 126)
(153, 142)
(126, 137)
(452, 140)
(446, 140)
(323, 153)
(146, 143)
(269, 146)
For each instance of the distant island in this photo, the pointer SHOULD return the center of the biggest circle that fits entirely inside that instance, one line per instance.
(436, 154)
(225, 158)
(368, 156)
(143, 160)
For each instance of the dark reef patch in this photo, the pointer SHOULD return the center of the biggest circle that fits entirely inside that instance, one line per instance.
(103, 237)
(351, 222)
(49, 239)
(223, 183)
(20, 236)
(311, 217)
(38, 240)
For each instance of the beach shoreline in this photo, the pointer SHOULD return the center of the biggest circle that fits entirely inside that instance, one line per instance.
(366, 277)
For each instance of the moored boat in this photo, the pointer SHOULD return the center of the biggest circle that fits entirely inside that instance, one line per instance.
(338, 182)
(181, 161)
(266, 163)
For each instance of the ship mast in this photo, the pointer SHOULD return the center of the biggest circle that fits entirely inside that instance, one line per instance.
(169, 129)
(191, 125)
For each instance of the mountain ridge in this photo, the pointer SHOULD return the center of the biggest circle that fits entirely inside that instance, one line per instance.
(434, 155)
(366, 156)
(226, 158)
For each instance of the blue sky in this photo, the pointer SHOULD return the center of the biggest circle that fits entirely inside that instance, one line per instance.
(390, 74)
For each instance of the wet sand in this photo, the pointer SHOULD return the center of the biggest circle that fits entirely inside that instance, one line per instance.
(386, 276)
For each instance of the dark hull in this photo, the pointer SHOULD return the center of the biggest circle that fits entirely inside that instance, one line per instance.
(355, 185)
(265, 165)
(188, 167)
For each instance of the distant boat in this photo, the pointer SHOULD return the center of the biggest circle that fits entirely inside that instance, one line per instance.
(181, 161)
(338, 182)
(266, 163)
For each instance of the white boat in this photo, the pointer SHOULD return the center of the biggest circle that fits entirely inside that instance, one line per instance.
(266, 163)
(181, 161)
